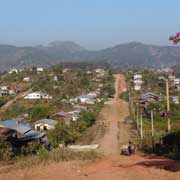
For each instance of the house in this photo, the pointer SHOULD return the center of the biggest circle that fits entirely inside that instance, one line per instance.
(45, 124)
(79, 107)
(100, 71)
(92, 94)
(89, 72)
(40, 69)
(176, 81)
(175, 99)
(26, 79)
(83, 98)
(38, 95)
(55, 78)
(66, 70)
(20, 134)
(4, 88)
(171, 78)
(62, 116)
(137, 76)
(7, 133)
(4, 93)
(14, 122)
(137, 87)
(13, 70)
(138, 81)
(149, 97)
(161, 78)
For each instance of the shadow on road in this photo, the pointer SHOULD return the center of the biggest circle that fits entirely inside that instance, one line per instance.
(168, 165)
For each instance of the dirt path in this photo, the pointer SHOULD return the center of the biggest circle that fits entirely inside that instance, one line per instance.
(114, 113)
(113, 166)
(9, 103)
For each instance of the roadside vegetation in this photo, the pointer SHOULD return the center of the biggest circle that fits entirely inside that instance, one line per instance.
(65, 86)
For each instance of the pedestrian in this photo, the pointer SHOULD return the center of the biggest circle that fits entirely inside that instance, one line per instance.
(130, 148)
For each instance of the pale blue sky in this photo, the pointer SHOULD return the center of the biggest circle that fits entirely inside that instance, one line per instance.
(94, 24)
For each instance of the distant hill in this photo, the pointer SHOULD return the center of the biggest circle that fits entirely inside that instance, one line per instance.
(132, 54)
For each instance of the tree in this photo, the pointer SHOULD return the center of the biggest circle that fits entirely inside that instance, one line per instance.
(40, 111)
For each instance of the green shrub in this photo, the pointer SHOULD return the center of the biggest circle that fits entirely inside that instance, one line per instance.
(124, 96)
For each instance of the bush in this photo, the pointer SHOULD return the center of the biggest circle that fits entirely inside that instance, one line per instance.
(2, 102)
(124, 96)
(88, 117)
(40, 111)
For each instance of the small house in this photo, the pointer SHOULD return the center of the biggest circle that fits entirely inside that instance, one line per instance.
(175, 99)
(62, 116)
(40, 69)
(26, 79)
(37, 95)
(137, 87)
(45, 124)
(137, 76)
(13, 70)
(149, 97)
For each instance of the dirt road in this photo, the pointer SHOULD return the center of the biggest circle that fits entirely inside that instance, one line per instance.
(9, 103)
(113, 166)
(114, 112)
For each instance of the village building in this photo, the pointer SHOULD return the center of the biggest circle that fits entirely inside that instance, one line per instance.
(45, 124)
(137, 76)
(175, 99)
(137, 87)
(26, 79)
(55, 78)
(39, 69)
(13, 70)
(149, 97)
(171, 78)
(66, 70)
(37, 95)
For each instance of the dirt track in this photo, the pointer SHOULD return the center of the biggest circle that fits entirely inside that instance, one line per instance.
(114, 112)
(112, 166)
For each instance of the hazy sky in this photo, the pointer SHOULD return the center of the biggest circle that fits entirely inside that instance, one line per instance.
(94, 24)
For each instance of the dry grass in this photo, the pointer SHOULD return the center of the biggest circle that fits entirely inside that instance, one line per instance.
(45, 158)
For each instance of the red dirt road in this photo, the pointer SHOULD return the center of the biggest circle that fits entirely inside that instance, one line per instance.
(113, 166)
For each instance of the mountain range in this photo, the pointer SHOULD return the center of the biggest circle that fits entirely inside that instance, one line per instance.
(133, 54)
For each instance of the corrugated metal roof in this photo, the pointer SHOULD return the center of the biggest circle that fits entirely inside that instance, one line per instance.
(46, 121)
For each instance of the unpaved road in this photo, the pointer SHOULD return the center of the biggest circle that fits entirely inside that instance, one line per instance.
(113, 166)
(114, 112)
(9, 103)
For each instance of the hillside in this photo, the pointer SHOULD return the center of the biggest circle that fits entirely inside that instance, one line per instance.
(131, 54)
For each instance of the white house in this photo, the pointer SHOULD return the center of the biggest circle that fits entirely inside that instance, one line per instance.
(138, 81)
(55, 78)
(137, 76)
(176, 81)
(66, 70)
(26, 79)
(175, 99)
(40, 69)
(38, 95)
(4, 88)
(45, 124)
(137, 87)
(171, 78)
(13, 70)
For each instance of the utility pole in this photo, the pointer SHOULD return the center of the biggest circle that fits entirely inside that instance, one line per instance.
(141, 127)
(152, 123)
(168, 105)
(152, 129)
(137, 119)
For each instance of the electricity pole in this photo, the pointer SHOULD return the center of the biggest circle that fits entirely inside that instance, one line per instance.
(141, 127)
(152, 123)
(168, 105)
